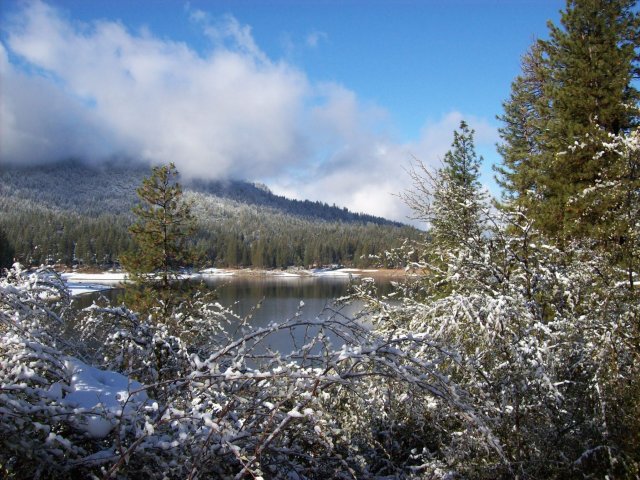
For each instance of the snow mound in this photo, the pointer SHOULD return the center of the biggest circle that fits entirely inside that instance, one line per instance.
(100, 397)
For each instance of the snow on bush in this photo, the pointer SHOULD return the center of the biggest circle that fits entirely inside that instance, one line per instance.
(507, 358)
(219, 407)
(543, 343)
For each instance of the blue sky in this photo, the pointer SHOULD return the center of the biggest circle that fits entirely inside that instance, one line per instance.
(326, 100)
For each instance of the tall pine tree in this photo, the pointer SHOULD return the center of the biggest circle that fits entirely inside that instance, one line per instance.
(523, 125)
(161, 236)
(574, 85)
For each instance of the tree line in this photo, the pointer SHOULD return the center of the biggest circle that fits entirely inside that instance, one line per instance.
(228, 232)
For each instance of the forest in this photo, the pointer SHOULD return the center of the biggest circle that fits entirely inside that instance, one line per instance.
(73, 213)
(511, 349)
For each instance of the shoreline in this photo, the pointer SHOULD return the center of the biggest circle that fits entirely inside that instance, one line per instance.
(110, 277)
(81, 283)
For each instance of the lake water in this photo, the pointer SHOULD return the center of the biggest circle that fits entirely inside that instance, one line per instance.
(279, 299)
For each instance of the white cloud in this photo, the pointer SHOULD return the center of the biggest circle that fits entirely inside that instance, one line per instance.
(99, 89)
(39, 121)
(224, 114)
(369, 173)
(229, 33)
(314, 38)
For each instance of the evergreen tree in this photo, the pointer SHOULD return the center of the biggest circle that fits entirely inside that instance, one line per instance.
(615, 198)
(232, 257)
(461, 204)
(450, 200)
(6, 251)
(161, 236)
(574, 85)
(522, 118)
(162, 230)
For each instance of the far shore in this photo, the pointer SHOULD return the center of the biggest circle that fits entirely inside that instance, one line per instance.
(111, 276)
(80, 282)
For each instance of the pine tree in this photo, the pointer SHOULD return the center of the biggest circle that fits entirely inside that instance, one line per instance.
(6, 251)
(615, 199)
(522, 118)
(461, 172)
(575, 85)
(162, 230)
(232, 256)
(450, 200)
(161, 236)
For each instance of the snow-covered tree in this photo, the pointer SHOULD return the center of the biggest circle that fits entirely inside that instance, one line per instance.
(453, 204)
(578, 81)
(611, 206)
(450, 200)
(542, 341)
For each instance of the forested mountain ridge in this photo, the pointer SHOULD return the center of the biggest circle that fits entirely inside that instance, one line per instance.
(73, 212)
(94, 189)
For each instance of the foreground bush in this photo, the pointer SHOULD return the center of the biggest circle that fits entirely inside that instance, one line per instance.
(508, 359)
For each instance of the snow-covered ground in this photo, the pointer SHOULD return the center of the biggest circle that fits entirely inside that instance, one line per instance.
(216, 272)
(102, 277)
(293, 273)
(341, 272)
(81, 283)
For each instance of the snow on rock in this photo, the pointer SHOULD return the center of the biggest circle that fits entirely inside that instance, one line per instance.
(101, 396)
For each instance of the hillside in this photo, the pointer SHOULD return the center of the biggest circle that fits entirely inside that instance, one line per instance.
(75, 186)
(71, 212)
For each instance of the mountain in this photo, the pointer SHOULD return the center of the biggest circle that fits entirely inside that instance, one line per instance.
(92, 189)
(74, 212)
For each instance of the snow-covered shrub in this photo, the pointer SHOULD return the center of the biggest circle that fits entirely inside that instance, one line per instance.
(107, 406)
(541, 344)
(55, 410)
(30, 367)
(508, 358)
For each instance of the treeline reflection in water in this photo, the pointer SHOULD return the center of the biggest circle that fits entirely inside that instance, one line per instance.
(273, 299)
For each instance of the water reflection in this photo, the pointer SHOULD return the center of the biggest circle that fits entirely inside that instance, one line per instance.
(277, 299)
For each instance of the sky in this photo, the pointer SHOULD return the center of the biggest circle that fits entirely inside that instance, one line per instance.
(328, 100)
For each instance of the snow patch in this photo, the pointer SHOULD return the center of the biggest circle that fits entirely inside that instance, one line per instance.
(101, 396)
(216, 272)
(76, 289)
(100, 278)
(327, 272)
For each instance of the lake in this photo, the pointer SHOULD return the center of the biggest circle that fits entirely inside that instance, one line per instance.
(279, 299)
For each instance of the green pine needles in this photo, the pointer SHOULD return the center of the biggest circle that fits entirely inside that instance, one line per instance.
(162, 235)
(575, 86)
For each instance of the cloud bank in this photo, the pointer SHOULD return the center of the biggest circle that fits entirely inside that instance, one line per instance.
(97, 90)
